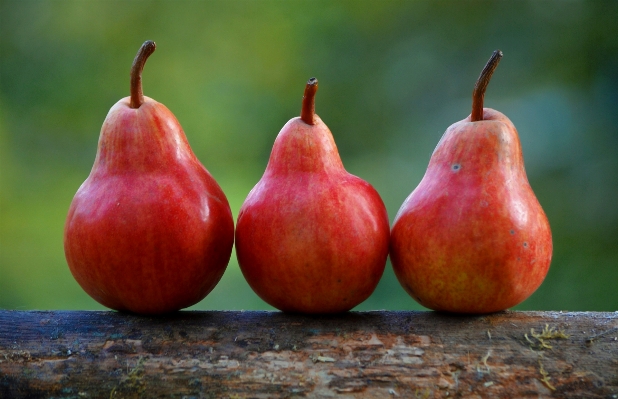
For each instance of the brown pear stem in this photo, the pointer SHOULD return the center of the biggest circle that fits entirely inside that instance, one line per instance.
(137, 95)
(308, 110)
(478, 95)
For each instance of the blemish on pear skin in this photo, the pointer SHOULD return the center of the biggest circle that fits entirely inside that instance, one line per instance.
(455, 167)
(512, 232)
(525, 244)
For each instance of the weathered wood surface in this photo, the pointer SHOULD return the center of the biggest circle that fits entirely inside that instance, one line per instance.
(274, 355)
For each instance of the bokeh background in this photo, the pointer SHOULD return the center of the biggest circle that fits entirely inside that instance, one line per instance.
(393, 76)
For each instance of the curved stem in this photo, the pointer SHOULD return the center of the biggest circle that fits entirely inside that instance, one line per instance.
(137, 95)
(308, 110)
(478, 95)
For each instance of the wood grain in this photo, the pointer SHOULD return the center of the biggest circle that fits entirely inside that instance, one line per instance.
(65, 354)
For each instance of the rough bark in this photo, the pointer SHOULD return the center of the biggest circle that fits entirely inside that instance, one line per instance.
(273, 355)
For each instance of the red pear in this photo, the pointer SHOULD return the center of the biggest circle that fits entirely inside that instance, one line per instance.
(472, 237)
(150, 230)
(311, 237)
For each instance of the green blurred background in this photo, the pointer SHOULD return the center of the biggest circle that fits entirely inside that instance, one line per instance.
(393, 76)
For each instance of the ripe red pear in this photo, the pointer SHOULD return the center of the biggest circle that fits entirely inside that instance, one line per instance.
(472, 237)
(311, 237)
(150, 230)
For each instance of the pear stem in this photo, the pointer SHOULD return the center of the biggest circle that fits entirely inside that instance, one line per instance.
(308, 110)
(137, 95)
(478, 95)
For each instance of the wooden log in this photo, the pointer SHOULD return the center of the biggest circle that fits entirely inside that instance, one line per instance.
(65, 354)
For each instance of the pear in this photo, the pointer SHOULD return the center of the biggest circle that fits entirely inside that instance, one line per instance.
(150, 231)
(472, 237)
(310, 237)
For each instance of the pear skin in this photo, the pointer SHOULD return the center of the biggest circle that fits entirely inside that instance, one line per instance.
(310, 237)
(150, 231)
(472, 237)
